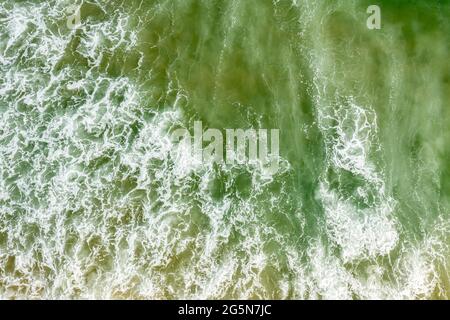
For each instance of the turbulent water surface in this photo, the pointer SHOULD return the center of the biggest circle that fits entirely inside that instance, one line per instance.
(93, 204)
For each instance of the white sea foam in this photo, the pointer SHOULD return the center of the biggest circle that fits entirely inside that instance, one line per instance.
(96, 200)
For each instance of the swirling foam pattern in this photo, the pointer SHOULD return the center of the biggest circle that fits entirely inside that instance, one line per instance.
(96, 201)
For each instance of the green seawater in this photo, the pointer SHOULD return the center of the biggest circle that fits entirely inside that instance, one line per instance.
(94, 205)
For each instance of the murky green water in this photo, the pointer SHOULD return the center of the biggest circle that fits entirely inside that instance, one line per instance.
(93, 205)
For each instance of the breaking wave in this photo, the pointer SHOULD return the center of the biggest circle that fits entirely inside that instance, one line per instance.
(96, 201)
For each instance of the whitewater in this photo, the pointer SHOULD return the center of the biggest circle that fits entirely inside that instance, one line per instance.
(98, 202)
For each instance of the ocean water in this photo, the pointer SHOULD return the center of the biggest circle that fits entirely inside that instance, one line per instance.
(93, 204)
